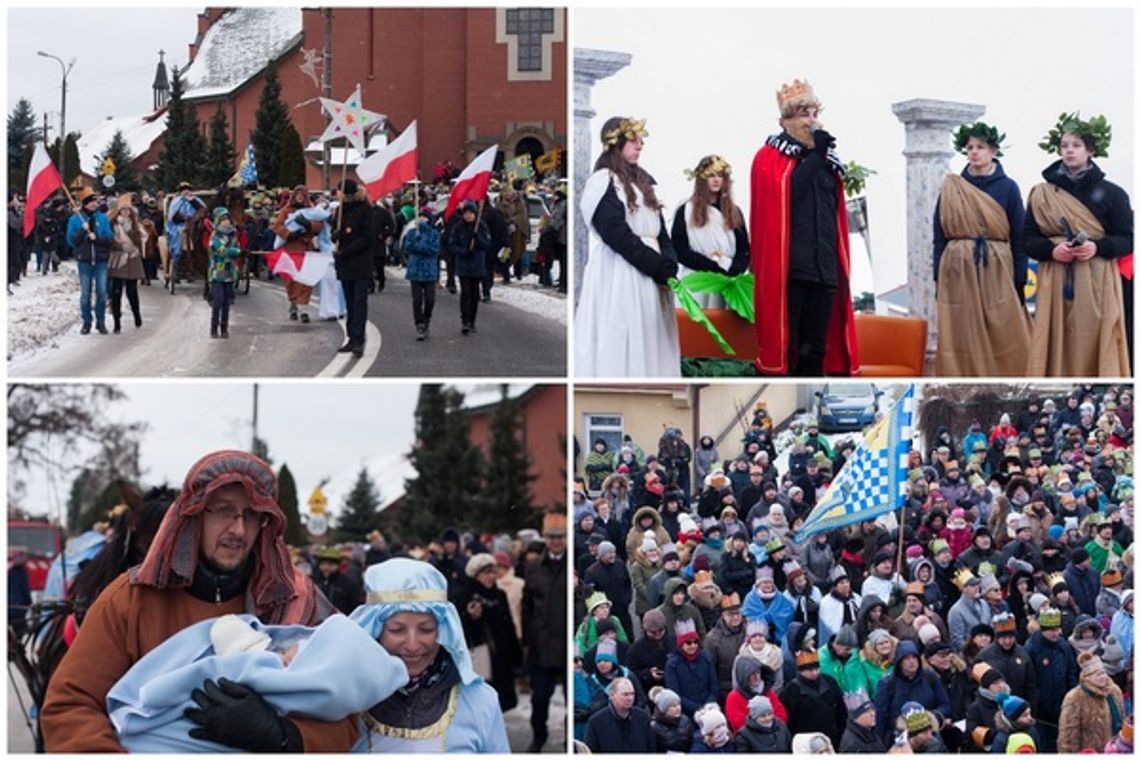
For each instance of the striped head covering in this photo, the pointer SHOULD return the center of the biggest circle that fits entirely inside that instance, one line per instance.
(278, 593)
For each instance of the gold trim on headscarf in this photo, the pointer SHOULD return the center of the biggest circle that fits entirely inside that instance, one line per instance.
(407, 595)
(630, 129)
(709, 166)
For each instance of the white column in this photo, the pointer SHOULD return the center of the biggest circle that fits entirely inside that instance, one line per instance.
(928, 150)
(590, 67)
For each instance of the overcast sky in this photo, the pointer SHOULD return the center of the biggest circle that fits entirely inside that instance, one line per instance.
(706, 81)
(115, 51)
(319, 429)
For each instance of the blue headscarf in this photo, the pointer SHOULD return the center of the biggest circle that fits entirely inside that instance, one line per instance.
(407, 585)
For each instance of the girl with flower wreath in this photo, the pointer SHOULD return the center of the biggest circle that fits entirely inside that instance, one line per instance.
(708, 230)
(626, 324)
(980, 267)
(1079, 226)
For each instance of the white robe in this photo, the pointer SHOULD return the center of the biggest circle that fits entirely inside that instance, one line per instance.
(626, 325)
(331, 295)
(711, 238)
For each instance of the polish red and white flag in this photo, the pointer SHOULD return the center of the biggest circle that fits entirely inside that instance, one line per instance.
(471, 185)
(391, 166)
(306, 268)
(43, 180)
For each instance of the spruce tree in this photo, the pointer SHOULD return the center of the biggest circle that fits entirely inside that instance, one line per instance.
(292, 169)
(126, 175)
(287, 498)
(21, 131)
(184, 149)
(268, 136)
(507, 504)
(360, 511)
(219, 166)
(71, 157)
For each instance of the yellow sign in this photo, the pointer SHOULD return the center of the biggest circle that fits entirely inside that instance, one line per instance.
(317, 502)
(548, 161)
(1031, 284)
(108, 166)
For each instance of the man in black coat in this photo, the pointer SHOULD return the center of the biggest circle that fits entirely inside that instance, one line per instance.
(648, 654)
(355, 238)
(1011, 659)
(813, 700)
(337, 587)
(385, 227)
(620, 727)
(500, 238)
(860, 737)
(545, 624)
(611, 577)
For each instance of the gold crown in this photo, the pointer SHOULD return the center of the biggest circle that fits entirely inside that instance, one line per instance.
(797, 90)
(630, 129)
(962, 577)
(709, 166)
(1054, 579)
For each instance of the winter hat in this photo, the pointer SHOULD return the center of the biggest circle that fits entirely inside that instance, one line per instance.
(231, 635)
(763, 573)
(479, 563)
(914, 551)
(989, 583)
(916, 717)
(1089, 663)
(702, 564)
(957, 519)
(595, 600)
(607, 651)
(906, 649)
(935, 647)
(606, 547)
(814, 743)
(755, 627)
(1020, 744)
(928, 633)
(1079, 555)
(1015, 565)
(1112, 656)
(220, 213)
(986, 675)
(759, 706)
(653, 620)
(793, 570)
(857, 703)
(875, 637)
(606, 626)
(1037, 601)
(937, 546)
(847, 636)
(1013, 706)
(668, 552)
(648, 544)
(712, 721)
(665, 698)
(686, 630)
(1126, 597)
(1056, 531)
(837, 572)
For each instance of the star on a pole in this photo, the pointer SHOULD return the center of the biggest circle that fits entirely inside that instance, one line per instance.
(350, 120)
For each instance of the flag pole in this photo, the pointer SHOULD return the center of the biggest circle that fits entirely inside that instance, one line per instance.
(478, 218)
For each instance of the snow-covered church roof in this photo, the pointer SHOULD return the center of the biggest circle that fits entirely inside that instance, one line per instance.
(238, 46)
(140, 132)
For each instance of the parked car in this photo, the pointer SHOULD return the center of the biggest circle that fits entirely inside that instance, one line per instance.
(847, 406)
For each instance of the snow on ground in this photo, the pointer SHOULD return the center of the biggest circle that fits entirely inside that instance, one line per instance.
(41, 309)
(526, 295)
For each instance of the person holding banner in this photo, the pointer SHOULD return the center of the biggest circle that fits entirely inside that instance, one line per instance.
(469, 240)
(354, 238)
(89, 234)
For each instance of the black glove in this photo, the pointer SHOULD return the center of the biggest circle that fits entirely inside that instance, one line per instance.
(236, 716)
(666, 268)
(303, 223)
(179, 218)
(823, 140)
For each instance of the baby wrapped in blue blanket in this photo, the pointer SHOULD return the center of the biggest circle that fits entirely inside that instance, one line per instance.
(328, 672)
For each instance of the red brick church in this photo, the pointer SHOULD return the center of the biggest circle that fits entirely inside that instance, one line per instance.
(472, 77)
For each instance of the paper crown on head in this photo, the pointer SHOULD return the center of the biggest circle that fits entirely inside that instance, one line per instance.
(554, 524)
(1111, 577)
(730, 601)
(630, 129)
(607, 650)
(1054, 579)
(686, 630)
(773, 545)
(709, 166)
(1049, 618)
(916, 588)
(917, 719)
(964, 577)
(703, 578)
(797, 93)
(1004, 623)
(807, 658)
(596, 599)
(756, 627)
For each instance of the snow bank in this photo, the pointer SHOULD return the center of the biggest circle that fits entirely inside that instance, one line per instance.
(41, 309)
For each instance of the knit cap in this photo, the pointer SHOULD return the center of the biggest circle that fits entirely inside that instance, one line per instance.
(1056, 531)
(648, 544)
(847, 636)
(606, 547)
(916, 717)
(1012, 705)
(653, 620)
(665, 698)
(607, 651)
(710, 719)
(759, 706)
(1021, 744)
(928, 633)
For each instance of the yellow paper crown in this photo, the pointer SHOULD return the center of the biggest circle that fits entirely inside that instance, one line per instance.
(962, 577)
(1054, 579)
(630, 129)
(709, 166)
(796, 91)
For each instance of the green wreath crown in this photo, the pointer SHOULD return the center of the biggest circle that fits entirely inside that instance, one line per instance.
(1097, 128)
(982, 131)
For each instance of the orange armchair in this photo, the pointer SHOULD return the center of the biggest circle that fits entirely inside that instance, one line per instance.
(891, 346)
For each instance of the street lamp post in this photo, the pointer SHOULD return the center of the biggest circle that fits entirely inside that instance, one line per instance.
(65, 69)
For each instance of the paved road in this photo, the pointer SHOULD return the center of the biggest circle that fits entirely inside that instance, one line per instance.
(19, 737)
(174, 341)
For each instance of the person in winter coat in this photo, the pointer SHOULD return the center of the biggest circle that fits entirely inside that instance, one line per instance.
(676, 607)
(705, 458)
(836, 654)
(750, 679)
(90, 236)
(354, 237)
(805, 597)
(1055, 666)
(468, 241)
(840, 606)
(598, 609)
(647, 656)
(671, 727)
(1014, 717)
(1083, 581)
(712, 733)
(737, 570)
(486, 617)
(724, 640)
(689, 672)
(941, 659)
(818, 559)
(645, 563)
(905, 627)
(757, 646)
(968, 611)
(980, 715)
(865, 670)
(500, 238)
(612, 578)
(646, 522)
(909, 682)
(422, 246)
(763, 732)
(766, 602)
(616, 490)
(608, 526)
(1092, 713)
(125, 265)
(813, 700)
(859, 737)
(1122, 623)
(621, 726)
(706, 596)
(872, 616)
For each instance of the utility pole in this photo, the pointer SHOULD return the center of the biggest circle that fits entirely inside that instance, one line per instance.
(66, 69)
(326, 90)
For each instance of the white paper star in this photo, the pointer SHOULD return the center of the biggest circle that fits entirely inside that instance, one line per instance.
(350, 120)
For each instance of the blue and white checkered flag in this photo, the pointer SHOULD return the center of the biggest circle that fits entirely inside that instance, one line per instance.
(249, 167)
(873, 481)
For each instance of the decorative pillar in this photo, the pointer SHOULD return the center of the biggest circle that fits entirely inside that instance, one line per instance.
(928, 151)
(590, 67)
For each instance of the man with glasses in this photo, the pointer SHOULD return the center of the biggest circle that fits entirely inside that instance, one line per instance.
(805, 324)
(219, 550)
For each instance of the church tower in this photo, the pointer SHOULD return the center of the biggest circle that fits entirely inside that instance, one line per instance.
(161, 84)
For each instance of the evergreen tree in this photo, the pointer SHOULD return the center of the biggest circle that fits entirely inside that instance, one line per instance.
(292, 170)
(270, 123)
(184, 149)
(21, 131)
(71, 151)
(83, 491)
(448, 466)
(126, 175)
(220, 154)
(507, 504)
(98, 510)
(287, 499)
(358, 515)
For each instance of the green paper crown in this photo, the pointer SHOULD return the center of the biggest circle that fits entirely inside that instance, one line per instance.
(982, 131)
(1097, 127)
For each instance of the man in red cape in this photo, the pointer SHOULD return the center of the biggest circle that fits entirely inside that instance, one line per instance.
(805, 322)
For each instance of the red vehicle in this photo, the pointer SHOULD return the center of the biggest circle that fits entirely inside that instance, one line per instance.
(39, 543)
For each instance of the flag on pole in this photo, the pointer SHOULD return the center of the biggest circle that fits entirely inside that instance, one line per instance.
(304, 267)
(873, 482)
(350, 120)
(43, 180)
(391, 166)
(471, 185)
(248, 170)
